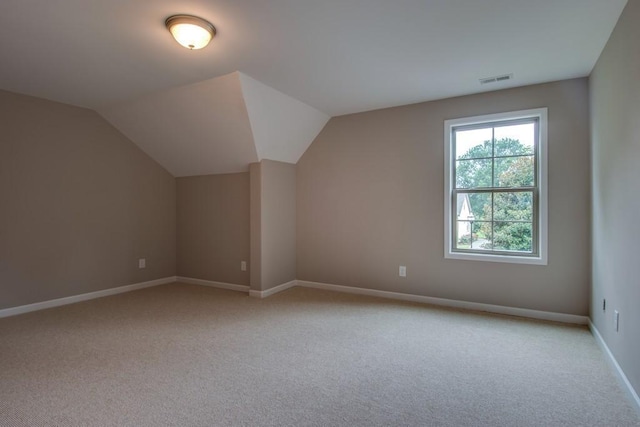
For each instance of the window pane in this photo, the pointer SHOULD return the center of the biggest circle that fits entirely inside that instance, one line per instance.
(512, 236)
(473, 206)
(514, 172)
(482, 235)
(514, 140)
(473, 173)
(463, 234)
(472, 144)
(477, 240)
(513, 206)
(463, 208)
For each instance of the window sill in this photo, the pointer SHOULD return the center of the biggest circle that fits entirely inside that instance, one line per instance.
(496, 258)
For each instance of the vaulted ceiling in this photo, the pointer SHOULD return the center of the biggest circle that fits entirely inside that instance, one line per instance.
(278, 69)
(219, 125)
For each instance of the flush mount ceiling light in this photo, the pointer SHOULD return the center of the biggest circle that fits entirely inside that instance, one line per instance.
(190, 31)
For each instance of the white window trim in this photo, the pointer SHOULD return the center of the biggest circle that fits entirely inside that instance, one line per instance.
(541, 259)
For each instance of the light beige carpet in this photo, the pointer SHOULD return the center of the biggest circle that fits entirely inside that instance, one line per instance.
(182, 355)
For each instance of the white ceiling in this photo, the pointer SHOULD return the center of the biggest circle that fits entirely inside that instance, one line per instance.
(332, 57)
(283, 127)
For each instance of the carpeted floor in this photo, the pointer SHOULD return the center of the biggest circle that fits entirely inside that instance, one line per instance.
(182, 355)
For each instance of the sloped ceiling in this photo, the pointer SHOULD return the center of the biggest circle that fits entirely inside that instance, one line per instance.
(197, 129)
(307, 59)
(218, 126)
(283, 127)
(338, 56)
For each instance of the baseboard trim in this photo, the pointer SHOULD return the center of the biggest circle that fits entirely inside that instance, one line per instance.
(512, 311)
(498, 309)
(212, 284)
(631, 392)
(274, 290)
(14, 311)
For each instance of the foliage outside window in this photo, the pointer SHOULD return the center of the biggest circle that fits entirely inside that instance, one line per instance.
(495, 195)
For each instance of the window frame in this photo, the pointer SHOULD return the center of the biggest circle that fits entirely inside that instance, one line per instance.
(540, 221)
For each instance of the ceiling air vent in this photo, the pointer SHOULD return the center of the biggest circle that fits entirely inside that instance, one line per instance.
(496, 79)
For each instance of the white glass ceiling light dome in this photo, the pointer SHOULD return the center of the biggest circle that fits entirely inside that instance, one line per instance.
(190, 31)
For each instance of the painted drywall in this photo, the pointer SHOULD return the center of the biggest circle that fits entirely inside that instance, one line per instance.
(370, 198)
(191, 130)
(282, 127)
(273, 224)
(80, 204)
(615, 144)
(278, 223)
(255, 228)
(213, 227)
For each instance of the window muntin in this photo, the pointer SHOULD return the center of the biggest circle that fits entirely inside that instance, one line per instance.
(494, 209)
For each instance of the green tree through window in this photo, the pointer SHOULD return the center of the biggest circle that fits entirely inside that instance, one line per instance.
(504, 219)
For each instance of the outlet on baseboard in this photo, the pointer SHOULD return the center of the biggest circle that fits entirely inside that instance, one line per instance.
(142, 263)
(243, 265)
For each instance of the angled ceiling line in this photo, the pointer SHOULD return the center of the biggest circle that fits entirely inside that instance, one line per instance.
(217, 126)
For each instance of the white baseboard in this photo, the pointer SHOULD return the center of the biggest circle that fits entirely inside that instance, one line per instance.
(13, 311)
(498, 309)
(274, 290)
(220, 285)
(631, 392)
(512, 311)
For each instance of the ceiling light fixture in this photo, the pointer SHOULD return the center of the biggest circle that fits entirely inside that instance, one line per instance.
(190, 31)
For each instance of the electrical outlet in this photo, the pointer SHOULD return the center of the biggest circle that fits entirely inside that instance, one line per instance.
(142, 263)
(402, 271)
(243, 265)
(616, 320)
(604, 305)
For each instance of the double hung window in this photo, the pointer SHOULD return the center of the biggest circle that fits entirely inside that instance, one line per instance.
(495, 187)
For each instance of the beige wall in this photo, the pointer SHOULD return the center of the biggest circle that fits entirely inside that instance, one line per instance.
(80, 203)
(273, 224)
(213, 227)
(278, 223)
(370, 198)
(615, 132)
(255, 195)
